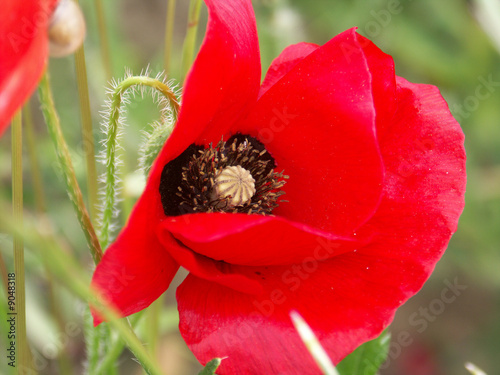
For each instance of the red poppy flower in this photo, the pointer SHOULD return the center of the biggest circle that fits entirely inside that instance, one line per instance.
(23, 51)
(376, 170)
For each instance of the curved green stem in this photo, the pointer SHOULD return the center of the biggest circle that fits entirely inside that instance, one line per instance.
(111, 143)
(52, 120)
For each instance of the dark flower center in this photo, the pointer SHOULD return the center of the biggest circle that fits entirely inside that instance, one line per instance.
(234, 176)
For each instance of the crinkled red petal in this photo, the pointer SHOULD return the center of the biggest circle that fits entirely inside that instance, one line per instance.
(23, 51)
(341, 300)
(351, 298)
(136, 269)
(318, 121)
(255, 240)
(423, 150)
(207, 268)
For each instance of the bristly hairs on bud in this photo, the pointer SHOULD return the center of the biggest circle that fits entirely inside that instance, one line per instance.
(153, 143)
(165, 94)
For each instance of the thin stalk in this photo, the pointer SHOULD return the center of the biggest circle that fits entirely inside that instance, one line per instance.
(87, 133)
(169, 34)
(3, 272)
(63, 359)
(33, 157)
(70, 273)
(92, 338)
(103, 36)
(106, 340)
(153, 325)
(111, 143)
(190, 40)
(112, 355)
(114, 351)
(52, 120)
(23, 353)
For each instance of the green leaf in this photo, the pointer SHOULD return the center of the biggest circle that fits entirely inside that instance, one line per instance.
(211, 367)
(366, 359)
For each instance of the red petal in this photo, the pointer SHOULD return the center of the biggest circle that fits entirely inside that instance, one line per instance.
(342, 300)
(23, 47)
(424, 156)
(351, 298)
(255, 240)
(281, 65)
(318, 121)
(223, 81)
(207, 268)
(136, 269)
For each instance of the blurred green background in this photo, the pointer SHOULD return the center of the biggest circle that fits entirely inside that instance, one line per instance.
(453, 44)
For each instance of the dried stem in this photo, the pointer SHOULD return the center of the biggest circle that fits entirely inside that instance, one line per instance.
(87, 133)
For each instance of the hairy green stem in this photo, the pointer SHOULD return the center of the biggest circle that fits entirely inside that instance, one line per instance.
(52, 120)
(87, 133)
(169, 34)
(113, 352)
(111, 357)
(190, 40)
(111, 143)
(92, 338)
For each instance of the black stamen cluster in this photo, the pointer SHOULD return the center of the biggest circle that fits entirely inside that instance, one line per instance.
(195, 182)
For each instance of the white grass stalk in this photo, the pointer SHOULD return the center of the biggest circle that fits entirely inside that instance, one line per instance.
(313, 345)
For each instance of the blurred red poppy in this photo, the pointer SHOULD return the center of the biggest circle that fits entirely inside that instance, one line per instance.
(376, 184)
(23, 51)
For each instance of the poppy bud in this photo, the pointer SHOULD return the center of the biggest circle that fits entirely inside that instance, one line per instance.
(153, 144)
(66, 30)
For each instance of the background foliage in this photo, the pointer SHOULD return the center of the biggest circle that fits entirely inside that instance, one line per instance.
(437, 42)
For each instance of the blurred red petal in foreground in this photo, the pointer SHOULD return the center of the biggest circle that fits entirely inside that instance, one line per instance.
(23, 52)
